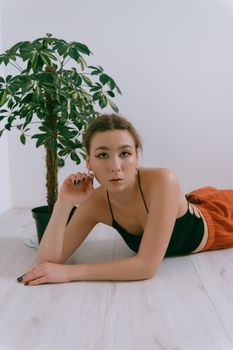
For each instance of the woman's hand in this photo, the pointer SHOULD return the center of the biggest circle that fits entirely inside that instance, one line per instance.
(76, 188)
(46, 272)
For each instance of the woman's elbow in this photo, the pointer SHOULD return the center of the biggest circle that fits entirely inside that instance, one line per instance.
(148, 271)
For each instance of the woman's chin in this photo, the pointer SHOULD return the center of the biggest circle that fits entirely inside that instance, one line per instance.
(116, 186)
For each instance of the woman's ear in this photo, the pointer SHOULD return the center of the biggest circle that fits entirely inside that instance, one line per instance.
(137, 156)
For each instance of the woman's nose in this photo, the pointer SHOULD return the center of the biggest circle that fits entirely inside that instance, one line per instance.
(115, 164)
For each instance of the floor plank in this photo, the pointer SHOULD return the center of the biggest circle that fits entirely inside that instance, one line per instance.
(188, 304)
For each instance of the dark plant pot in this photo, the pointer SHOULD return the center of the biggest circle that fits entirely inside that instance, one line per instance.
(42, 217)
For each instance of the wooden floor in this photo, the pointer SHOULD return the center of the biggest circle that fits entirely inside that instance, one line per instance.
(188, 305)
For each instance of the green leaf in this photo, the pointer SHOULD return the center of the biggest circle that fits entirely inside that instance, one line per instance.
(8, 78)
(95, 89)
(16, 46)
(2, 80)
(49, 53)
(3, 97)
(82, 48)
(82, 62)
(74, 95)
(67, 143)
(73, 53)
(110, 93)
(96, 95)
(28, 118)
(10, 120)
(87, 80)
(118, 90)
(28, 98)
(111, 83)
(78, 81)
(101, 68)
(23, 139)
(34, 60)
(103, 101)
(2, 58)
(1, 132)
(41, 139)
(63, 152)
(75, 158)
(64, 116)
(62, 48)
(104, 78)
(39, 136)
(60, 162)
(2, 117)
(26, 51)
(45, 59)
(96, 70)
(10, 104)
(113, 105)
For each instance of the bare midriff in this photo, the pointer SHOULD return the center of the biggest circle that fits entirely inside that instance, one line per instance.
(205, 236)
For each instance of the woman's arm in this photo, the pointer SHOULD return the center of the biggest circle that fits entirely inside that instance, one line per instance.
(59, 239)
(164, 205)
(51, 245)
(130, 269)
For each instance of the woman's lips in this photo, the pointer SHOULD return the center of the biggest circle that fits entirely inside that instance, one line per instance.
(115, 180)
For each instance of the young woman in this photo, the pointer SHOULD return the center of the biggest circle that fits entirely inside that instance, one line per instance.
(145, 205)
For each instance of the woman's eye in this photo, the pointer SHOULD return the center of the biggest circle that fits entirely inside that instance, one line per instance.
(125, 154)
(102, 155)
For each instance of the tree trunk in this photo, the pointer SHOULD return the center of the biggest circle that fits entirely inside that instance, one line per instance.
(51, 176)
(51, 150)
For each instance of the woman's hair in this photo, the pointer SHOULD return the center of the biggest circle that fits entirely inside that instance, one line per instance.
(108, 122)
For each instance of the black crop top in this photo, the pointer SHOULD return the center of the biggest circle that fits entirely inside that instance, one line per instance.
(186, 235)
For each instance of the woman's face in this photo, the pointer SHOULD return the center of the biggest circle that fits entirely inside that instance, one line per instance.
(113, 158)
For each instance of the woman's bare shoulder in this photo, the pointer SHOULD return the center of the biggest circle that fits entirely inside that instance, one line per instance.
(154, 180)
(152, 174)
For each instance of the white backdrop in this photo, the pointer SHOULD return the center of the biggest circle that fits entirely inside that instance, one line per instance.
(5, 191)
(173, 60)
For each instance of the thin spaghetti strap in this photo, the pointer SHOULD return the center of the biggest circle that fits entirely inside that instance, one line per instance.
(139, 183)
(110, 207)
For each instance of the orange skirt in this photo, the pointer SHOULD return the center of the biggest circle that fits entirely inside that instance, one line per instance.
(217, 208)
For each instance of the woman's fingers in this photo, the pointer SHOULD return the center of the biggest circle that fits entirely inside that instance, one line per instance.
(84, 177)
(46, 272)
(40, 280)
(80, 178)
(77, 178)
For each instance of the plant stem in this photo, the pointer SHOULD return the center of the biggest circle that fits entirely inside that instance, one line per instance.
(16, 66)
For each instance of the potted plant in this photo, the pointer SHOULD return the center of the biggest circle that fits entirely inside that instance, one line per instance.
(45, 90)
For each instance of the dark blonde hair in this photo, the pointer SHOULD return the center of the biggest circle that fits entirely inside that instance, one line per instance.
(106, 122)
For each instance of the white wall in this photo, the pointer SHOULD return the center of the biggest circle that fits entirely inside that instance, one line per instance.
(173, 60)
(5, 194)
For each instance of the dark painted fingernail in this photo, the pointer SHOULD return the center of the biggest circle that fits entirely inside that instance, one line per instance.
(26, 284)
(19, 279)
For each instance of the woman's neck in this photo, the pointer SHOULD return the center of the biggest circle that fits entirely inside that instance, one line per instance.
(126, 196)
